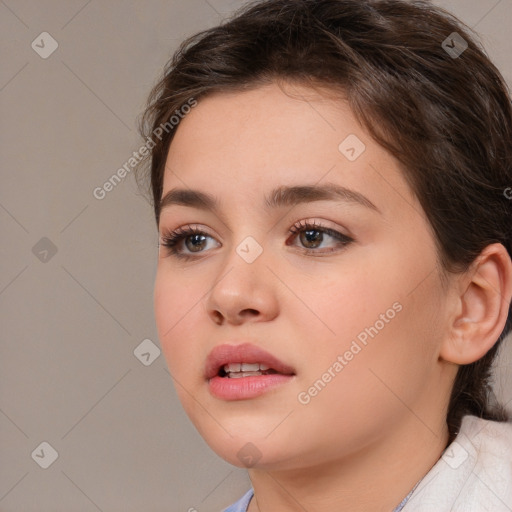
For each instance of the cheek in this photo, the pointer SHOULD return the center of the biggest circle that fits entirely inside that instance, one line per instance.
(352, 301)
(175, 315)
(382, 374)
(383, 323)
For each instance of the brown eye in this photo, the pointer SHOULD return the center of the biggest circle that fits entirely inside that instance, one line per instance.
(311, 236)
(195, 242)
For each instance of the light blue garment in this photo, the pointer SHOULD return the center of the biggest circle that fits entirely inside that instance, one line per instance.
(242, 504)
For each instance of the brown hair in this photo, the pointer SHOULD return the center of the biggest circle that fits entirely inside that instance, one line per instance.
(446, 118)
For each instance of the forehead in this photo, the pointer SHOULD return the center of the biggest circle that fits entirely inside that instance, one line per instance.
(253, 141)
(264, 123)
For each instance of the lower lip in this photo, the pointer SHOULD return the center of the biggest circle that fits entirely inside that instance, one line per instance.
(245, 387)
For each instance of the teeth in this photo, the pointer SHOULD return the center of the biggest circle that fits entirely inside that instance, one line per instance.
(238, 375)
(245, 368)
(250, 367)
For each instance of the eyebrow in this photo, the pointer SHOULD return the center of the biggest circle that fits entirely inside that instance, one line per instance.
(278, 198)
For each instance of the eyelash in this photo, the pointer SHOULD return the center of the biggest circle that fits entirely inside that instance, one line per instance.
(171, 239)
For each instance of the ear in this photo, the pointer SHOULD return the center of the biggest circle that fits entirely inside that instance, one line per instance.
(483, 302)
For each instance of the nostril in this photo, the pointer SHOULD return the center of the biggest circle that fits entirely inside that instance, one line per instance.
(217, 317)
(252, 312)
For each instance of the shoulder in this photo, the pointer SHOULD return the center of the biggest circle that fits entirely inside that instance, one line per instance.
(474, 474)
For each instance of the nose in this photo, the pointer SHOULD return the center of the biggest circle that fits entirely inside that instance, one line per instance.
(243, 292)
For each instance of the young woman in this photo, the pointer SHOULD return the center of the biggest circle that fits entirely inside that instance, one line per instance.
(332, 189)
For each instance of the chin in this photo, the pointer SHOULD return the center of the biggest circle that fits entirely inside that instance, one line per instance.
(244, 445)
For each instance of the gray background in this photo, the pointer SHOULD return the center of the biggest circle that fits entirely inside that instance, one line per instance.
(71, 322)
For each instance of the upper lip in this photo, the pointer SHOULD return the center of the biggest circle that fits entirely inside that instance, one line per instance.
(242, 353)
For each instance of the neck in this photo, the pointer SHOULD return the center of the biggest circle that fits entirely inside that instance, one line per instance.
(377, 477)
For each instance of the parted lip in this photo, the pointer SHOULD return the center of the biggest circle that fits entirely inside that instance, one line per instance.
(242, 353)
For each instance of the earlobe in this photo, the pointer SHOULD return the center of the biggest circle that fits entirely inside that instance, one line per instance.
(483, 304)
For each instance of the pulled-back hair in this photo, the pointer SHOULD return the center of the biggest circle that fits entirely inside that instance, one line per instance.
(446, 117)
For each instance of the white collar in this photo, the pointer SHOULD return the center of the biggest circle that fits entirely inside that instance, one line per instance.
(474, 474)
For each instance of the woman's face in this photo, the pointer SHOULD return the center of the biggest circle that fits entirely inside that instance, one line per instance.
(356, 314)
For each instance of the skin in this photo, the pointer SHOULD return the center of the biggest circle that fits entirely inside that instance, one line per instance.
(376, 429)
